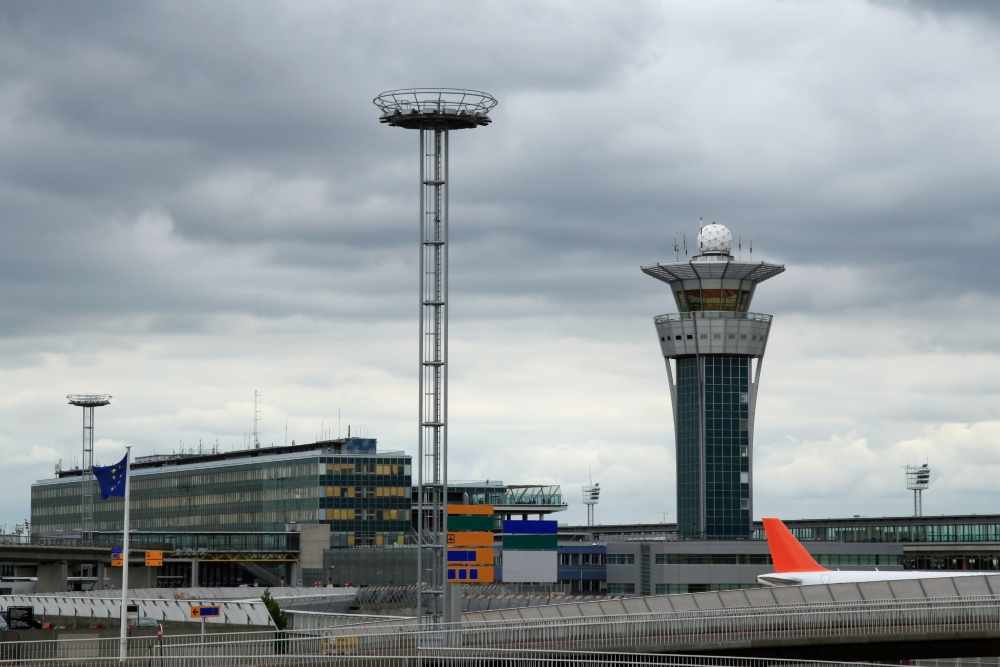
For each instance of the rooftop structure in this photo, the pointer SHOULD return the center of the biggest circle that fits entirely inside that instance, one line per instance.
(713, 348)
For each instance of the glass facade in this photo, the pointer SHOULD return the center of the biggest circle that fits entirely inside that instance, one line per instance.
(365, 498)
(727, 440)
(924, 529)
(713, 469)
(713, 299)
(688, 436)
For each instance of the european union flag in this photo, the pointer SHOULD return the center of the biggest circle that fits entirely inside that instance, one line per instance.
(112, 478)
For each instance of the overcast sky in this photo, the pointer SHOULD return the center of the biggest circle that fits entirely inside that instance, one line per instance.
(197, 201)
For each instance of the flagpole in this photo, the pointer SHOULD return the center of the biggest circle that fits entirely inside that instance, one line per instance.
(128, 490)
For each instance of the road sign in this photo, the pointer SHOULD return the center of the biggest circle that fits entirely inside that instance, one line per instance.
(21, 618)
(204, 612)
(154, 558)
(117, 557)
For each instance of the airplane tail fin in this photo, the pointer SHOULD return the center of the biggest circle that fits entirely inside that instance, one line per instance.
(786, 551)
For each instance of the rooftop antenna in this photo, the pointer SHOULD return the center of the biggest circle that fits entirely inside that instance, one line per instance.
(591, 494)
(256, 420)
(88, 402)
(434, 113)
(685, 245)
(677, 248)
(918, 478)
(741, 245)
(663, 516)
(751, 250)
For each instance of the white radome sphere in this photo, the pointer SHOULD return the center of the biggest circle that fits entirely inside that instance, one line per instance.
(715, 238)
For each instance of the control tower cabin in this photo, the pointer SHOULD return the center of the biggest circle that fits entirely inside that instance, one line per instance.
(713, 350)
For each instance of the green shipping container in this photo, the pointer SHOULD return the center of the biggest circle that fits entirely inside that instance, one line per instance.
(530, 542)
(457, 522)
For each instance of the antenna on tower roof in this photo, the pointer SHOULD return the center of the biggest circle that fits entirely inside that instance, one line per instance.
(256, 420)
(677, 249)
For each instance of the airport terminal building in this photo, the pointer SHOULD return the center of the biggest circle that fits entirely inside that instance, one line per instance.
(362, 494)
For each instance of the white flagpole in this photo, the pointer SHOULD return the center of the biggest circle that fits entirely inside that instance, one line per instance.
(128, 489)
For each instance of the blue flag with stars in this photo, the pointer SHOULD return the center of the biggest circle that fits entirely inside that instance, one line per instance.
(112, 478)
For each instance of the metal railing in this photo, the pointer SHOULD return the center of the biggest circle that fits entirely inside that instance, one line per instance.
(712, 315)
(900, 620)
(441, 657)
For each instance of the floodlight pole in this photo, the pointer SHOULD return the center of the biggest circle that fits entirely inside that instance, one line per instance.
(88, 402)
(434, 112)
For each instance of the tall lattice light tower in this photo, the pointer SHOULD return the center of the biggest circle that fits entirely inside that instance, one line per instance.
(88, 402)
(918, 478)
(591, 495)
(434, 112)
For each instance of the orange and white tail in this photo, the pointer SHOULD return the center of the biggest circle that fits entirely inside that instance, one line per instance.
(786, 551)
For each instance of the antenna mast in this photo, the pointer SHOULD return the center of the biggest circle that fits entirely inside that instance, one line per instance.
(256, 420)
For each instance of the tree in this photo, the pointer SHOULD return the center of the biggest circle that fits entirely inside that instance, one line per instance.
(280, 618)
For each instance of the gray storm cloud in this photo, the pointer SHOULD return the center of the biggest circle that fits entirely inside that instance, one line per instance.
(197, 201)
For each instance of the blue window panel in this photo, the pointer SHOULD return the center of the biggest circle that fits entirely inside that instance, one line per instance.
(461, 574)
(459, 556)
(474, 574)
(451, 574)
(531, 527)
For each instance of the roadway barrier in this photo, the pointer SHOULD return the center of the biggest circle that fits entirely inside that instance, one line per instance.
(695, 630)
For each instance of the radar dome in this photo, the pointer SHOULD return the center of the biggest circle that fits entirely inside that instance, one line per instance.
(715, 238)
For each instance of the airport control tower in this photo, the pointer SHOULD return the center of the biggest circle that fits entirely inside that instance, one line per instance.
(713, 350)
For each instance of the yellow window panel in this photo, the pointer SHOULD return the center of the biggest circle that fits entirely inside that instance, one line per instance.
(400, 539)
(350, 492)
(329, 492)
(329, 515)
(378, 540)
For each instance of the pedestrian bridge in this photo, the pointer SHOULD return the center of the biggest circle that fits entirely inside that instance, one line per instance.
(871, 621)
(949, 617)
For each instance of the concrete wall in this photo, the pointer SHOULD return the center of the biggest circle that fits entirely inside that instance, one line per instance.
(139, 576)
(313, 539)
(52, 578)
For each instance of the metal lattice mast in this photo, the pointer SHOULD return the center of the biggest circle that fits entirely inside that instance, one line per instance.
(434, 112)
(88, 402)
